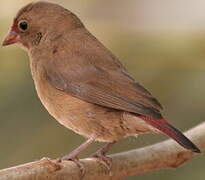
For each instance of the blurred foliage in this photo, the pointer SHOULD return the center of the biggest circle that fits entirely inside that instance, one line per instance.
(171, 65)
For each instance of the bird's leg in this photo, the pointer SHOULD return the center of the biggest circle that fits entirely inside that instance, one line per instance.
(73, 155)
(100, 154)
(102, 151)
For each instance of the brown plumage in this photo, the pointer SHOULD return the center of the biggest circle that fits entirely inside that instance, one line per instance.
(81, 83)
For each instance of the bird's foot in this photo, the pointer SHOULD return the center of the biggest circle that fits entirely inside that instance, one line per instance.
(107, 161)
(74, 159)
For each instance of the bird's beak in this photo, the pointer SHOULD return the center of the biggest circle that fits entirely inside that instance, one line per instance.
(11, 38)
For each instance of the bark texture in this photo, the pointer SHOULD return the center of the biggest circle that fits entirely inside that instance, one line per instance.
(166, 154)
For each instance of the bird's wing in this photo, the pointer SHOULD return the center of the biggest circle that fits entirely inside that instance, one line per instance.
(113, 88)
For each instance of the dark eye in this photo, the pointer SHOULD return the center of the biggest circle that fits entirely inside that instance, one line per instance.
(23, 25)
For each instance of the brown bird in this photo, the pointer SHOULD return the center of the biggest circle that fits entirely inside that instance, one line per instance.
(82, 84)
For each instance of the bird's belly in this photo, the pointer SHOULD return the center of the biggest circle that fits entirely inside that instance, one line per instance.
(87, 119)
(84, 118)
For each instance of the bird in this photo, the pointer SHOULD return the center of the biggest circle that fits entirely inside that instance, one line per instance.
(82, 84)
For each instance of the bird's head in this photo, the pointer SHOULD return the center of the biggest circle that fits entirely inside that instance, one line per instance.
(40, 20)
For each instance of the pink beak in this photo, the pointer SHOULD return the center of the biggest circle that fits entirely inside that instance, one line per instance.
(11, 38)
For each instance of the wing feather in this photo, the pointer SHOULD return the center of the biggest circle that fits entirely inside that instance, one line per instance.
(108, 89)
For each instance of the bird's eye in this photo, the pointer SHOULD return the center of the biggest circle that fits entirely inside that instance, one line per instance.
(23, 25)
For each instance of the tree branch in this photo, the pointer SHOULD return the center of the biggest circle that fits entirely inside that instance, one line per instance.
(161, 155)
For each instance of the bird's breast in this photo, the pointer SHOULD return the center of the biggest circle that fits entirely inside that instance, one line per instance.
(82, 117)
(87, 119)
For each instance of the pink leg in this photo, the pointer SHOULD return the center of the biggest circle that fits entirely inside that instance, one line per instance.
(100, 154)
(73, 155)
(102, 151)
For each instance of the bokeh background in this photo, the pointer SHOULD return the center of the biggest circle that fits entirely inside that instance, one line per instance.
(162, 44)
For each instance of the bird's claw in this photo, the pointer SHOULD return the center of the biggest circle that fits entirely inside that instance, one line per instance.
(79, 164)
(106, 161)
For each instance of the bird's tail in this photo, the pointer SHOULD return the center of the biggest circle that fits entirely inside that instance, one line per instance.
(169, 130)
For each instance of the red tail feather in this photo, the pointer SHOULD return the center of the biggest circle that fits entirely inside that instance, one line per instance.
(169, 130)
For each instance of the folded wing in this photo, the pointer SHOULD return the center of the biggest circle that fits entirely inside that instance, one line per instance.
(112, 89)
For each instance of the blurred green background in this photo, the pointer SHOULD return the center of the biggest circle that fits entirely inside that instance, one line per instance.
(162, 44)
